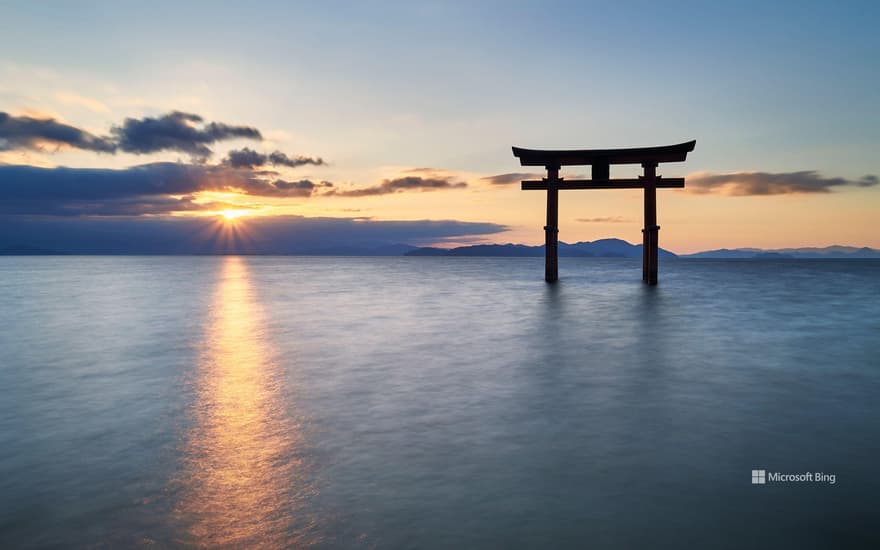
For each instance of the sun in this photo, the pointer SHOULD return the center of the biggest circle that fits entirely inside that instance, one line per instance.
(232, 214)
(228, 232)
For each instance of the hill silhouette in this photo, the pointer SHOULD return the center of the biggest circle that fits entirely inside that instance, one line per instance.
(602, 248)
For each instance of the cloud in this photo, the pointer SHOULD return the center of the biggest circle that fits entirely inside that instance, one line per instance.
(868, 180)
(157, 206)
(248, 158)
(177, 131)
(607, 219)
(198, 235)
(514, 177)
(126, 206)
(396, 185)
(97, 191)
(766, 183)
(31, 190)
(301, 188)
(25, 132)
(425, 170)
(70, 98)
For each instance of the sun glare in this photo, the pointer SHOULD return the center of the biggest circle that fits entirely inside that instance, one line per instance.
(232, 214)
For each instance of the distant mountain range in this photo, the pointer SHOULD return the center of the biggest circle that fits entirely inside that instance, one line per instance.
(830, 252)
(602, 248)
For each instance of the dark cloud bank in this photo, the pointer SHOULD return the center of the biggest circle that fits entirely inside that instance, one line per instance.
(258, 235)
(101, 211)
(96, 191)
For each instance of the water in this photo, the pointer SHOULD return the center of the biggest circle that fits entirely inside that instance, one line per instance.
(247, 402)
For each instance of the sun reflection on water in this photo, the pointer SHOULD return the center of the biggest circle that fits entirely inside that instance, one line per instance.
(244, 484)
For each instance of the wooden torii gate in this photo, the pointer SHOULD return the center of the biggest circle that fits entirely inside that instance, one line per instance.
(601, 160)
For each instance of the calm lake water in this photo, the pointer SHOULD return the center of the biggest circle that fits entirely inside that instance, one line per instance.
(247, 402)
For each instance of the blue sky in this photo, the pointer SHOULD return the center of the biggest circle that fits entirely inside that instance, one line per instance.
(382, 87)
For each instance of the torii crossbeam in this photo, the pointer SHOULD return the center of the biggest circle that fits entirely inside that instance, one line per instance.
(601, 160)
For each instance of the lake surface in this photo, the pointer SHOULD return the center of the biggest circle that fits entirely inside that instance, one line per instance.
(266, 402)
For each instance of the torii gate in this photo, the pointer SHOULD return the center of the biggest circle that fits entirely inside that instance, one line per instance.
(600, 160)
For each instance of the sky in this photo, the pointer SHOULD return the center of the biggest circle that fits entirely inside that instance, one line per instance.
(328, 122)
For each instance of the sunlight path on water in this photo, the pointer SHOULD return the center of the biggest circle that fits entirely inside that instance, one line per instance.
(244, 477)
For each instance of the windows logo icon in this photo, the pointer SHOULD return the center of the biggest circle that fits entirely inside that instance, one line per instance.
(759, 477)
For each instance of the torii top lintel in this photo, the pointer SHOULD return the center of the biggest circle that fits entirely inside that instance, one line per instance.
(577, 157)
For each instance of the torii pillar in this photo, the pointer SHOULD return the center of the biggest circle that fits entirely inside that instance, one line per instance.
(551, 230)
(600, 160)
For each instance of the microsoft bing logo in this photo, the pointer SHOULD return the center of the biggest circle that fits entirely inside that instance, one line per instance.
(759, 477)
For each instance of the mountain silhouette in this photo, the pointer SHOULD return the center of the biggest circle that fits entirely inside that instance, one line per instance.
(830, 252)
(603, 248)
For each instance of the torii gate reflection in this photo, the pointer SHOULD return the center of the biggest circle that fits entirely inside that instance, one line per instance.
(601, 160)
